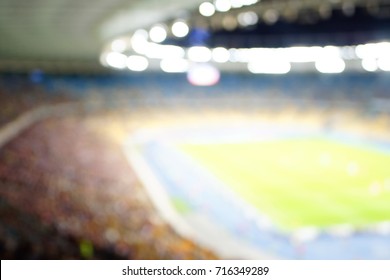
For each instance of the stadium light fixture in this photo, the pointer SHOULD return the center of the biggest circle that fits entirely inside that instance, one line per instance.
(365, 51)
(236, 3)
(383, 49)
(116, 60)
(328, 59)
(222, 5)
(103, 59)
(330, 52)
(174, 65)
(302, 54)
(139, 41)
(220, 55)
(249, 2)
(199, 54)
(242, 3)
(157, 51)
(269, 66)
(158, 33)
(119, 45)
(207, 9)
(261, 54)
(180, 29)
(384, 63)
(333, 65)
(373, 50)
(137, 63)
(241, 55)
(370, 64)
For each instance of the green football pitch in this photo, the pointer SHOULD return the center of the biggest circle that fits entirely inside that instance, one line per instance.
(303, 182)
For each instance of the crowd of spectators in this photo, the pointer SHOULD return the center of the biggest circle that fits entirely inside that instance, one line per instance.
(79, 185)
(20, 93)
(24, 236)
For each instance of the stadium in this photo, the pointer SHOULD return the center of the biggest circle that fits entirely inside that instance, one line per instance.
(227, 129)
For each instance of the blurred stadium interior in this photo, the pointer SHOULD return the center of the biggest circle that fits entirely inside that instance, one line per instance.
(120, 120)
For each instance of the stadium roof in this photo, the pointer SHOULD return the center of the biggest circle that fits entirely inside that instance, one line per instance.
(73, 30)
(71, 33)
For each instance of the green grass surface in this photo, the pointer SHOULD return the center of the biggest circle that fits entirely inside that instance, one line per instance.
(180, 205)
(304, 182)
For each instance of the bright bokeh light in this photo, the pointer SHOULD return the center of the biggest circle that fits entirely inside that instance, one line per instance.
(269, 66)
(348, 53)
(328, 59)
(116, 60)
(238, 55)
(247, 18)
(373, 50)
(330, 65)
(383, 49)
(229, 22)
(302, 54)
(137, 63)
(180, 29)
(365, 51)
(222, 5)
(158, 33)
(158, 51)
(384, 63)
(103, 59)
(206, 9)
(203, 75)
(292, 54)
(220, 55)
(241, 3)
(260, 54)
(370, 64)
(139, 41)
(236, 3)
(249, 2)
(271, 16)
(199, 54)
(330, 52)
(174, 65)
(118, 45)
